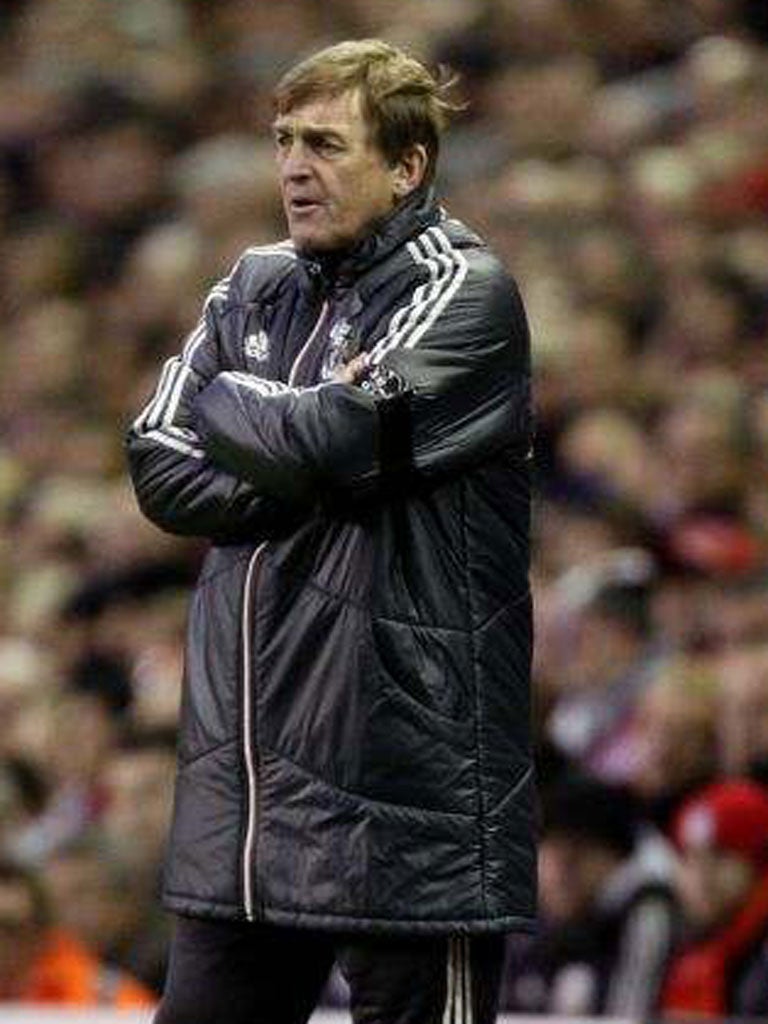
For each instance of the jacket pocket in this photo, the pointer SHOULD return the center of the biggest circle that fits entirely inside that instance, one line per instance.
(429, 665)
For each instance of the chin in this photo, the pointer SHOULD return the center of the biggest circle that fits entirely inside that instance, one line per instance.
(308, 241)
(311, 243)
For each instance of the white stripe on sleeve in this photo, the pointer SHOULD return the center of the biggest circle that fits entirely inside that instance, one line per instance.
(163, 437)
(447, 268)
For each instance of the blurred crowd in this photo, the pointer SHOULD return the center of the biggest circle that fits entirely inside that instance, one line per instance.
(615, 153)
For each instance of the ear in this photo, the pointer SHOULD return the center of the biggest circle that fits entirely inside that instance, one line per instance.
(408, 172)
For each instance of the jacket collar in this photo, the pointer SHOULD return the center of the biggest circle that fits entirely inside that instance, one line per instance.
(342, 268)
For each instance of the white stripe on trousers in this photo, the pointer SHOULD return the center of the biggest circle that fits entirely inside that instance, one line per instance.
(459, 1007)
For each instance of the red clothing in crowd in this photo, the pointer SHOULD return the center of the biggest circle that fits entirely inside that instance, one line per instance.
(65, 972)
(699, 979)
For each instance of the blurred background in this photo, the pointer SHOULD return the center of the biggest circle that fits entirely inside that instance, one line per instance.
(615, 153)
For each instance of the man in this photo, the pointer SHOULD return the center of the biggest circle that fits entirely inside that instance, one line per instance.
(722, 966)
(349, 425)
(40, 963)
(608, 912)
(611, 660)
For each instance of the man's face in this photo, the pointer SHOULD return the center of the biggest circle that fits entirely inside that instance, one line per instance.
(572, 871)
(334, 180)
(713, 885)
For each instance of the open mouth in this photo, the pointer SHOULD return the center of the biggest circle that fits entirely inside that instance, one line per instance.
(303, 205)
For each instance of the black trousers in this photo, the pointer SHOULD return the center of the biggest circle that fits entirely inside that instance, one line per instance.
(235, 973)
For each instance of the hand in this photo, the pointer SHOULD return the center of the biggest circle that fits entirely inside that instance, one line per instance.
(353, 371)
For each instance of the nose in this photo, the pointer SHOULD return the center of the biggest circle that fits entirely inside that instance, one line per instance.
(294, 165)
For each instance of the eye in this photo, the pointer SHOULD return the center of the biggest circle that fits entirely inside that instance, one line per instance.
(327, 146)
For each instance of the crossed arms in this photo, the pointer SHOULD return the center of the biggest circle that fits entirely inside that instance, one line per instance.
(234, 457)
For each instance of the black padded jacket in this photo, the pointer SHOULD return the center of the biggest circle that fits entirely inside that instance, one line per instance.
(354, 749)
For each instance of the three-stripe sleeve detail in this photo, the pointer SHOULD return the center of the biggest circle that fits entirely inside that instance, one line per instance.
(446, 267)
(163, 405)
(260, 385)
(164, 437)
(156, 420)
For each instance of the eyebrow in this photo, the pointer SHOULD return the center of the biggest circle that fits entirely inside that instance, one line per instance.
(308, 130)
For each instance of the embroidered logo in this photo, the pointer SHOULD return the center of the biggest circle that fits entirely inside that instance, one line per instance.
(257, 346)
(342, 346)
(339, 332)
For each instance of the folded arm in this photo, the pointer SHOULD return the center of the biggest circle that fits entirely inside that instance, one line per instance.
(433, 400)
(177, 485)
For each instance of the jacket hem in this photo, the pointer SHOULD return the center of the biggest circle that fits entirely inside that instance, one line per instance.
(191, 907)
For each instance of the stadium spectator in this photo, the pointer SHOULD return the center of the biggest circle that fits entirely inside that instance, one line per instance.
(86, 882)
(721, 968)
(613, 152)
(138, 786)
(41, 964)
(743, 718)
(610, 661)
(608, 913)
(673, 738)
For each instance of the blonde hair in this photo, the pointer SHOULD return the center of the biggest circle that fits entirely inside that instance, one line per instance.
(403, 101)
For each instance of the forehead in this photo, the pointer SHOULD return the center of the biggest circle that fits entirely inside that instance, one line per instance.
(342, 113)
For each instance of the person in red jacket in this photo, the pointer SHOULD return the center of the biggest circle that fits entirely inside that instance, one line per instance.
(722, 968)
(42, 964)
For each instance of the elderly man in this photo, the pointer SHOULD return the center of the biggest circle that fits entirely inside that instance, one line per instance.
(349, 425)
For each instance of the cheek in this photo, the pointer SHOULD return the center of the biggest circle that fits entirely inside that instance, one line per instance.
(368, 193)
(735, 879)
(695, 890)
(356, 190)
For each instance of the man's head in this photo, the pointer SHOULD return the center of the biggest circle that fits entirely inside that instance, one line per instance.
(674, 730)
(722, 835)
(357, 130)
(610, 635)
(588, 829)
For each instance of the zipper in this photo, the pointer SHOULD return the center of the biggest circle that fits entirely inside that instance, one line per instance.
(308, 343)
(250, 755)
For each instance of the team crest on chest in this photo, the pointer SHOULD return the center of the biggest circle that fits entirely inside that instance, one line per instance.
(342, 346)
(257, 346)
